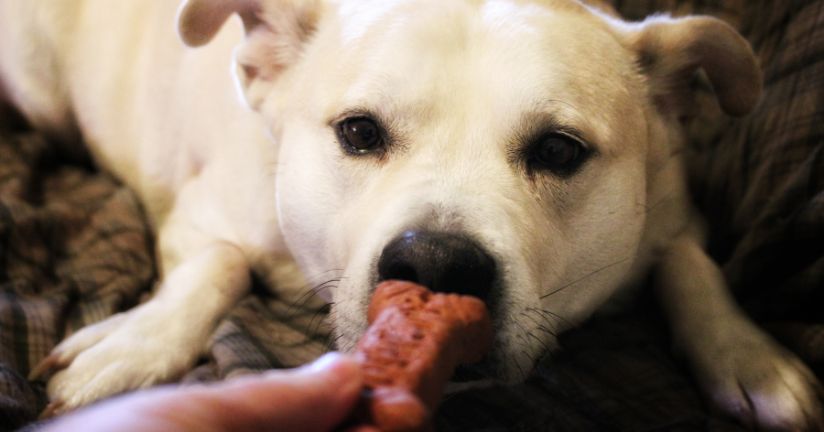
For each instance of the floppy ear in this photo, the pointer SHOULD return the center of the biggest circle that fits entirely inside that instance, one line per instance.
(276, 31)
(672, 50)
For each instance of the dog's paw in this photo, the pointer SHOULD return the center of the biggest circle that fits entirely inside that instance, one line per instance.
(128, 351)
(763, 385)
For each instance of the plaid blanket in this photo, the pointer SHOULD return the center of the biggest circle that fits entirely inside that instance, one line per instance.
(75, 248)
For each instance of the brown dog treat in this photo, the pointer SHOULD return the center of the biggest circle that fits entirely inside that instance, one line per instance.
(414, 342)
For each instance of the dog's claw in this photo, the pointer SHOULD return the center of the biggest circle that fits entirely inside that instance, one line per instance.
(49, 363)
(52, 409)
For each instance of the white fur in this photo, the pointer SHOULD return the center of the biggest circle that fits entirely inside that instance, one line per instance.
(269, 190)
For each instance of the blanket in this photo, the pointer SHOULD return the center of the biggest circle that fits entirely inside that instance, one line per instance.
(76, 247)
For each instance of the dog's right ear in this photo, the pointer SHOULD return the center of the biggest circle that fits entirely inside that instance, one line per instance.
(276, 31)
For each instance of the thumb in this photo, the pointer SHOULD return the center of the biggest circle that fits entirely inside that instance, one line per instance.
(312, 398)
(316, 397)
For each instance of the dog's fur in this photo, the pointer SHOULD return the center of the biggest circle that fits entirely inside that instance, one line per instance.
(462, 89)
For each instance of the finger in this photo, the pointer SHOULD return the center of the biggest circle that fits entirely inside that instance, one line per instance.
(363, 428)
(313, 398)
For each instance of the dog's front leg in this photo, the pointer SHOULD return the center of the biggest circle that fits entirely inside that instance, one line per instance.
(744, 371)
(156, 341)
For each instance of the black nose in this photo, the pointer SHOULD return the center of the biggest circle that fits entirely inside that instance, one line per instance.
(440, 261)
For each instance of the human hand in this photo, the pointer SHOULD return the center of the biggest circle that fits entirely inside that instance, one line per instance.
(316, 397)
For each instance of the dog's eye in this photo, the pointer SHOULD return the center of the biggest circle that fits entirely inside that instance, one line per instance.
(558, 153)
(360, 135)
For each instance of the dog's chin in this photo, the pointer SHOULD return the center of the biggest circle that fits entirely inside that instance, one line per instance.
(491, 370)
(467, 378)
(482, 371)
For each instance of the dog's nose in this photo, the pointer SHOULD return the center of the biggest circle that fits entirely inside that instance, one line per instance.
(440, 261)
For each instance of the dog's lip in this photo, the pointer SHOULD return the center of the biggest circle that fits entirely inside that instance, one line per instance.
(472, 372)
(464, 373)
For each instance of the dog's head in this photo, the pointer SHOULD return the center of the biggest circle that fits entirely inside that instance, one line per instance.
(521, 151)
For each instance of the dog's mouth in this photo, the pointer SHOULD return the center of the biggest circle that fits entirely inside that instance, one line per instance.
(446, 263)
(472, 372)
(443, 262)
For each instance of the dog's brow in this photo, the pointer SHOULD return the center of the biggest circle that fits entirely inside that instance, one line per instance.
(544, 105)
(550, 116)
(357, 111)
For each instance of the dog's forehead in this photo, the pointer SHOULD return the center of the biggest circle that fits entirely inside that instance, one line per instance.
(358, 16)
(493, 59)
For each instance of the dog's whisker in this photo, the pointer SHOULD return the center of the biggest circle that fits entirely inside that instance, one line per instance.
(343, 322)
(299, 306)
(319, 318)
(536, 317)
(311, 288)
(548, 314)
(322, 275)
(549, 326)
(542, 327)
(525, 335)
(548, 331)
(539, 340)
(332, 341)
(593, 273)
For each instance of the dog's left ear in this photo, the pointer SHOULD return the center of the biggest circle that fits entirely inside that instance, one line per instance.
(276, 32)
(671, 50)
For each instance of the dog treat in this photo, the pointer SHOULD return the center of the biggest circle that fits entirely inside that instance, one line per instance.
(415, 340)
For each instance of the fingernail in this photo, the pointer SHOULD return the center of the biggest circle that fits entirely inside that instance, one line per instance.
(345, 373)
(324, 362)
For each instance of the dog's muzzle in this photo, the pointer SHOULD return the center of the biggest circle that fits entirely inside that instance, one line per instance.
(443, 262)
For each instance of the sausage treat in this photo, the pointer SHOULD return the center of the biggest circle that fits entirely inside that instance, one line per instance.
(415, 340)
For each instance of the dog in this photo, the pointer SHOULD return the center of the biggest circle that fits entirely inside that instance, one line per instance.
(528, 152)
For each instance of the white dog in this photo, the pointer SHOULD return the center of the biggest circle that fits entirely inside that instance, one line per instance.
(527, 152)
